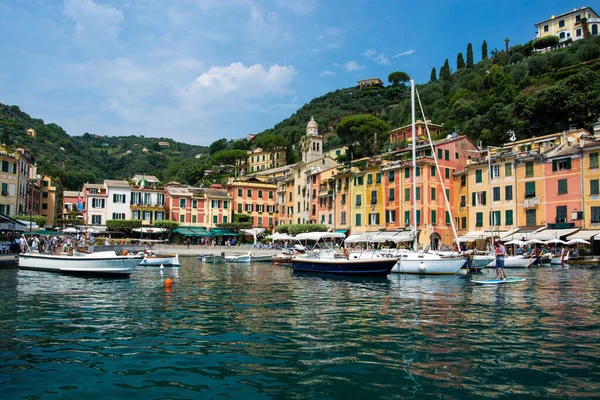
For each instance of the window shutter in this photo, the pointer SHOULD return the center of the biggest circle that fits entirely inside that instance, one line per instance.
(569, 163)
(483, 198)
(474, 199)
(554, 165)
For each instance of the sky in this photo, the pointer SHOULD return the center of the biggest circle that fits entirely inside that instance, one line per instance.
(199, 70)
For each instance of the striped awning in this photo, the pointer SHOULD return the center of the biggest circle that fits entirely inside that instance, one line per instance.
(195, 231)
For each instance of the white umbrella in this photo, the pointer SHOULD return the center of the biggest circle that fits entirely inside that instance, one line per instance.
(534, 241)
(516, 241)
(70, 230)
(555, 241)
(577, 241)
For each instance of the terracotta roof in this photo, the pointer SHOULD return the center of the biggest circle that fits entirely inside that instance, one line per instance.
(70, 193)
(94, 185)
(216, 193)
(113, 183)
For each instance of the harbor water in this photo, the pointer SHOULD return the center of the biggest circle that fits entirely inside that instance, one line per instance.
(261, 331)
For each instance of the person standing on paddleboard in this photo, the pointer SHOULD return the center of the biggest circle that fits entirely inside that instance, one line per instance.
(500, 254)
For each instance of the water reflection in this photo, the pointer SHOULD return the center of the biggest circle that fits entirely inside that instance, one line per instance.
(263, 331)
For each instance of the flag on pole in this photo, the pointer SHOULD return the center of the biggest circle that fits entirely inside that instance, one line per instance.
(79, 201)
(143, 182)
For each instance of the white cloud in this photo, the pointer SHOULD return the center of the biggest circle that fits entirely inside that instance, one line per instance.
(404, 53)
(353, 66)
(236, 81)
(380, 58)
(369, 53)
(93, 21)
(324, 74)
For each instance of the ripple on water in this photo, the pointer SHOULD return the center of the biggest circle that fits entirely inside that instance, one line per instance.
(261, 331)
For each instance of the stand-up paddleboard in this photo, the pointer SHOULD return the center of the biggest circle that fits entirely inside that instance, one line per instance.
(498, 281)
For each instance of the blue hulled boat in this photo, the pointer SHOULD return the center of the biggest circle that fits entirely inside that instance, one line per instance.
(344, 266)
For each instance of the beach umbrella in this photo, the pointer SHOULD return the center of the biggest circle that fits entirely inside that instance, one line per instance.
(577, 241)
(555, 241)
(70, 230)
(516, 241)
(534, 241)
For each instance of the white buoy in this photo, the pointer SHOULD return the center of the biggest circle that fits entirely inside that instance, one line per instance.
(162, 266)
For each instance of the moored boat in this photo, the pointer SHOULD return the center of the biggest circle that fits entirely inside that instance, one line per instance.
(210, 258)
(101, 263)
(420, 263)
(344, 266)
(519, 261)
(166, 260)
(248, 258)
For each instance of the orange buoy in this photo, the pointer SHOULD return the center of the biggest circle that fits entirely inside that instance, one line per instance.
(168, 282)
(125, 252)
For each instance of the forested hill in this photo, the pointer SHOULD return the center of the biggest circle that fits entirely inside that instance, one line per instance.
(74, 160)
(532, 93)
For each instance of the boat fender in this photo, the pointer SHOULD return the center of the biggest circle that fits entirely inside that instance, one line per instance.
(125, 252)
(421, 267)
(168, 282)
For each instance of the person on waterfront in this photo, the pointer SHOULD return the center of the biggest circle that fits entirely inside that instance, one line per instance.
(187, 243)
(22, 243)
(500, 254)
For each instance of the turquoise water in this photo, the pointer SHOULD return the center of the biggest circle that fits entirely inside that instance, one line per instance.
(261, 331)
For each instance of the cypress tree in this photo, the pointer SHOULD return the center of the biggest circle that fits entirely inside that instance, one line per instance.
(460, 61)
(433, 76)
(469, 55)
(484, 52)
(445, 71)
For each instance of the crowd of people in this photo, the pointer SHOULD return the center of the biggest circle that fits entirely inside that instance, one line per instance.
(54, 244)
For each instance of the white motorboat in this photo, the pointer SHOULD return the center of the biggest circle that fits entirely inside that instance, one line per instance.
(155, 260)
(519, 261)
(210, 258)
(559, 259)
(101, 263)
(413, 262)
(248, 258)
(480, 261)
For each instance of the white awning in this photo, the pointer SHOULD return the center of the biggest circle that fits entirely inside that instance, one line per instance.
(548, 234)
(319, 235)
(585, 234)
(396, 236)
(508, 234)
(471, 236)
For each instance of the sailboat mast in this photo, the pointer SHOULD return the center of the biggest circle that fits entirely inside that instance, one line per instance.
(414, 163)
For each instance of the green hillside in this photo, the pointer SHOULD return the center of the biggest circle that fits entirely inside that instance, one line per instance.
(74, 160)
(529, 92)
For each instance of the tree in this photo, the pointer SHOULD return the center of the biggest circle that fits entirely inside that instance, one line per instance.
(469, 55)
(126, 225)
(229, 157)
(445, 73)
(460, 61)
(484, 51)
(363, 129)
(270, 141)
(242, 218)
(170, 226)
(433, 76)
(217, 146)
(506, 41)
(545, 42)
(397, 78)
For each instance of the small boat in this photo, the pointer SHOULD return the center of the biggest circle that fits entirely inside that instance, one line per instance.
(344, 266)
(248, 258)
(283, 258)
(519, 261)
(100, 263)
(155, 260)
(499, 281)
(559, 259)
(210, 258)
(422, 263)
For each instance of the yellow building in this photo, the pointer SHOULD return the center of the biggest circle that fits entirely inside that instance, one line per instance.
(255, 198)
(261, 160)
(49, 201)
(591, 187)
(9, 179)
(358, 199)
(487, 199)
(569, 26)
(370, 83)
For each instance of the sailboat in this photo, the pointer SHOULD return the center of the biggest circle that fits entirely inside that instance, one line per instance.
(422, 262)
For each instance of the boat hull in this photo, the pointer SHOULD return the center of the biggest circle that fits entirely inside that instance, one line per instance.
(515, 262)
(426, 266)
(97, 265)
(371, 267)
(210, 259)
(171, 260)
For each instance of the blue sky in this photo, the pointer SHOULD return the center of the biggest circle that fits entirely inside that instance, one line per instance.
(200, 70)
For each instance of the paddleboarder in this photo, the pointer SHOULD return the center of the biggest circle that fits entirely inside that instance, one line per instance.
(500, 254)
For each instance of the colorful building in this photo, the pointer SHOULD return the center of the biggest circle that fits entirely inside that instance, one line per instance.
(256, 198)
(569, 26)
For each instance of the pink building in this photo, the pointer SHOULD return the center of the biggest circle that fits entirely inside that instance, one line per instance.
(563, 183)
